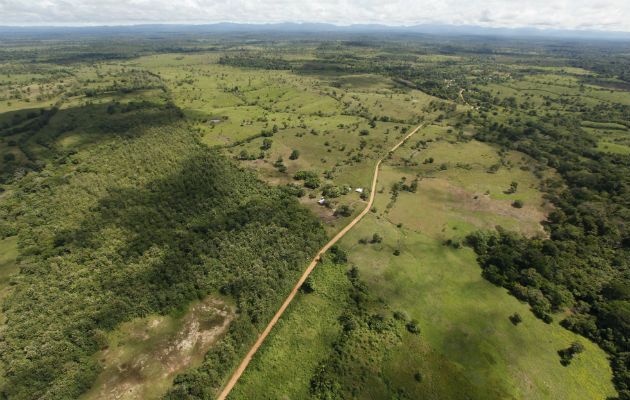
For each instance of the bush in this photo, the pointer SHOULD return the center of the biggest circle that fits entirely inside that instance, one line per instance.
(307, 286)
(266, 144)
(312, 183)
(412, 327)
(344, 211)
(295, 154)
(517, 204)
(566, 355)
(516, 318)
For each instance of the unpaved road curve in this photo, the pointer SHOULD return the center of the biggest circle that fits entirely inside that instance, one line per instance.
(243, 365)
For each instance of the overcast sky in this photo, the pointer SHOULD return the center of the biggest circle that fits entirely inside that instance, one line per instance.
(563, 14)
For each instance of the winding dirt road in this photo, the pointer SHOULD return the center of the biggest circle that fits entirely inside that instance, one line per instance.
(243, 365)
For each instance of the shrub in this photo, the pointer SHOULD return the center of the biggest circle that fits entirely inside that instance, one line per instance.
(516, 318)
(566, 355)
(376, 238)
(412, 327)
(266, 144)
(344, 211)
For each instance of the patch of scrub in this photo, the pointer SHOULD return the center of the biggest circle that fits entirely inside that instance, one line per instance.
(8, 265)
(144, 355)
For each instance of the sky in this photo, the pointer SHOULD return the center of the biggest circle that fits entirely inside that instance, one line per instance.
(606, 15)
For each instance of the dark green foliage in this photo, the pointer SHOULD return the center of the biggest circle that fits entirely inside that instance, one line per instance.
(307, 286)
(412, 327)
(344, 210)
(365, 336)
(266, 144)
(331, 191)
(585, 263)
(517, 204)
(293, 190)
(295, 154)
(566, 355)
(376, 238)
(339, 255)
(255, 60)
(513, 188)
(143, 224)
(516, 318)
(311, 179)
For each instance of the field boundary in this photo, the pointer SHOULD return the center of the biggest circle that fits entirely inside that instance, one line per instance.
(250, 354)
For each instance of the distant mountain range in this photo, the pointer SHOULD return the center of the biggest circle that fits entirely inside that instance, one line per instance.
(289, 27)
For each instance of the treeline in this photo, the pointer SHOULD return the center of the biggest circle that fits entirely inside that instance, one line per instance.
(258, 61)
(584, 263)
(143, 223)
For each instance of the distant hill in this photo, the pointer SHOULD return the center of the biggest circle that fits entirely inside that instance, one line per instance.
(289, 27)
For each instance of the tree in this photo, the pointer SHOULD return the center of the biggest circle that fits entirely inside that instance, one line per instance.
(266, 144)
(517, 204)
(344, 210)
(307, 286)
(566, 355)
(376, 238)
(295, 154)
(513, 187)
(412, 327)
(516, 318)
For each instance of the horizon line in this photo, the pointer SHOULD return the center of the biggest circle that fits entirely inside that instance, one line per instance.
(330, 24)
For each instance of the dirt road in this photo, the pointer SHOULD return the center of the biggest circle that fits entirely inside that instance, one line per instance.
(243, 365)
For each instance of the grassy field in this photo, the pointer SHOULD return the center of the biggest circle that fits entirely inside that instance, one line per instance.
(467, 336)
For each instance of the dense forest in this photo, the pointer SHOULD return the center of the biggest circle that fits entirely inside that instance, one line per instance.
(145, 222)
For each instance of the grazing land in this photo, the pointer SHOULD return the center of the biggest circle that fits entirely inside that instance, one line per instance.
(161, 196)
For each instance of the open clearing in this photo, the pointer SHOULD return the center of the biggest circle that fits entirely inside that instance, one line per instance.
(144, 355)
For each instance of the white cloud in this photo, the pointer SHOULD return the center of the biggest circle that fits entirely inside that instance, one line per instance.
(562, 14)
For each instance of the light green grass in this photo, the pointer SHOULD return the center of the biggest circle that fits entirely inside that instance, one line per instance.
(303, 337)
(465, 319)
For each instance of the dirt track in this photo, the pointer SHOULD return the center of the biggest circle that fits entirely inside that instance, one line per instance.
(243, 365)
